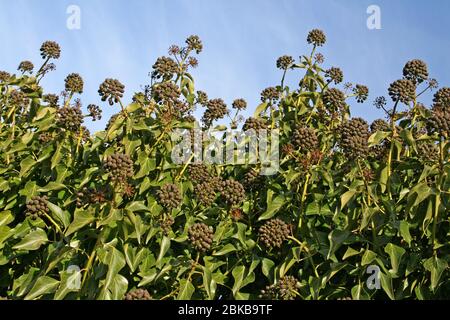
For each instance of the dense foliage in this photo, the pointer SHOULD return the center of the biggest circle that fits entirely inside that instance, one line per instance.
(347, 195)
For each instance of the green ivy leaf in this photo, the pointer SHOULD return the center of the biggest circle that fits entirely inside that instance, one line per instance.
(118, 288)
(377, 137)
(383, 179)
(81, 219)
(111, 219)
(165, 245)
(56, 159)
(273, 207)
(52, 186)
(336, 238)
(32, 241)
(87, 176)
(349, 253)
(267, 267)
(395, 253)
(436, 266)
(61, 215)
(146, 165)
(187, 289)
(22, 284)
(260, 109)
(29, 190)
(346, 197)
(225, 249)
(26, 165)
(238, 275)
(209, 283)
(368, 257)
(69, 281)
(137, 206)
(386, 284)
(44, 285)
(134, 257)
(6, 217)
(408, 137)
(115, 261)
(404, 231)
(418, 194)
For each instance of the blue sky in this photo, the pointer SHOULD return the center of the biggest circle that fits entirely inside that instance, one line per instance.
(242, 40)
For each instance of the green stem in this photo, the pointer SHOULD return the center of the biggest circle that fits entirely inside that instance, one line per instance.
(312, 54)
(303, 246)
(391, 150)
(365, 183)
(184, 167)
(435, 221)
(174, 292)
(232, 268)
(54, 223)
(388, 182)
(423, 91)
(123, 109)
(158, 140)
(193, 267)
(66, 104)
(282, 80)
(79, 140)
(438, 195)
(272, 125)
(13, 126)
(90, 261)
(305, 189)
(372, 223)
(42, 67)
